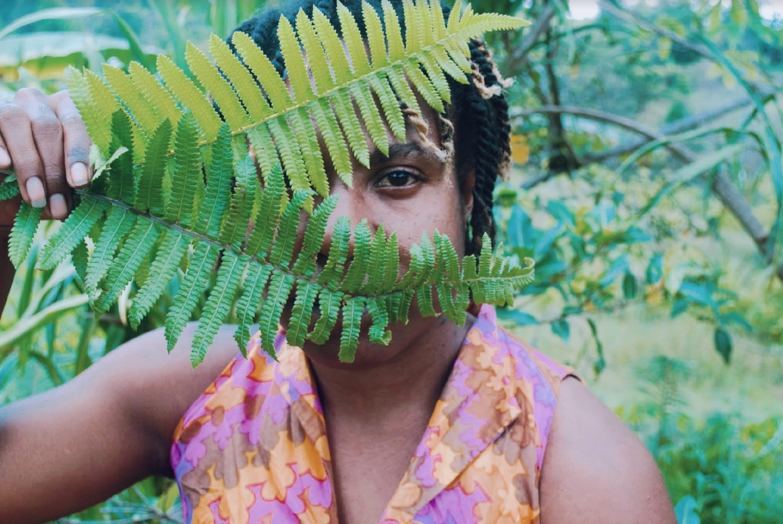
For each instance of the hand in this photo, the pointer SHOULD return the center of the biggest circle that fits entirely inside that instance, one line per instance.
(45, 141)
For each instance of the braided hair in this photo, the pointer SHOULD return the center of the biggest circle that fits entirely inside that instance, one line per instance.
(477, 117)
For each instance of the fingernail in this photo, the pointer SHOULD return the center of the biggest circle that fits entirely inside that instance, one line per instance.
(5, 160)
(79, 174)
(57, 206)
(35, 191)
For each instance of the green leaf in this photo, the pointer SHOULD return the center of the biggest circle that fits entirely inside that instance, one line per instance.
(118, 224)
(723, 344)
(25, 226)
(266, 219)
(218, 191)
(9, 188)
(561, 328)
(94, 120)
(279, 288)
(283, 248)
(127, 263)
(121, 180)
(361, 257)
(329, 303)
(306, 294)
(195, 282)
(248, 303)
(630, 286)
(149, 181)
(71, 232)
(338, 254)
(690, 171)
(155, 93)
(162, 271)
(232, 232)
(190, 96)
(352, 319)
(377, 309)
(218, 304)
(186, 176)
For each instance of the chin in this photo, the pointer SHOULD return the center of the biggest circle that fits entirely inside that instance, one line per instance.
(368, 355)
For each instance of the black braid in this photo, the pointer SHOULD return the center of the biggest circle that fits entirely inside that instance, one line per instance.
(481, 125)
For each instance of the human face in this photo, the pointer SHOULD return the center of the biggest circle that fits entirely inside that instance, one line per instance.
(413, 190)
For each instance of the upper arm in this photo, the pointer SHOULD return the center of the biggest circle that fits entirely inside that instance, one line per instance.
(111, 426)
(595, 469)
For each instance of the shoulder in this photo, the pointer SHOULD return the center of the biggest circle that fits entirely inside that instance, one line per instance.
(595, 468)
(153, 388)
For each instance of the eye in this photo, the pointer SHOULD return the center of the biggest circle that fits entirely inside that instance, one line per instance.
(397, 178)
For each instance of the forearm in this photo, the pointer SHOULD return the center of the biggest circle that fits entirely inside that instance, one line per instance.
(7, 270)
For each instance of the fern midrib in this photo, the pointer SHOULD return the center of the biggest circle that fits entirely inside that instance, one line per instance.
(326, 94)
(281, 269)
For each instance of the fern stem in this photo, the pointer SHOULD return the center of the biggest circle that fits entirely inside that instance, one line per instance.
(281, 269)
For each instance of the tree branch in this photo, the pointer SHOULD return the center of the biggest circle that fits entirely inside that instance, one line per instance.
(517, 55)
(679, 126)
(721, 185)
(627, 16)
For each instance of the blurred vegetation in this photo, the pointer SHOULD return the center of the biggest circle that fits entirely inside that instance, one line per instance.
(648, 186)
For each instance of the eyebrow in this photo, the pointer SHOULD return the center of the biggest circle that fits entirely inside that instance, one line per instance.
(402, 150)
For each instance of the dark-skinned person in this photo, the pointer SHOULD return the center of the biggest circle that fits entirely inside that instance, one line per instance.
(447, 424)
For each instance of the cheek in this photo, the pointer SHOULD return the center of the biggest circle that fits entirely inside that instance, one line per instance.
(433, 209)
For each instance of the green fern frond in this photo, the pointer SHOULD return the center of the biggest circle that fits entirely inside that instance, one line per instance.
(219, 303)
(163, 269)
(25, 226)
(9, 188)
(118, 224)
(177, 177)
(155, 93)
(272, 309)
(79, 91)
(131, 97)
(189, 96)
(431, 52)
(186, 299)
(130, 257)
(306, 294)
(71, 232)
(247, 305)
(149, 179)
(352, 319)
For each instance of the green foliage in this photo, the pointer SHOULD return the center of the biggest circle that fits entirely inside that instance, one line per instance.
(723, 468)
(145, 225)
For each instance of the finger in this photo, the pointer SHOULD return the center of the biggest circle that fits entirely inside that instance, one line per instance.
(5, 158)
(18, 137)
(48, 138)
(75, 139)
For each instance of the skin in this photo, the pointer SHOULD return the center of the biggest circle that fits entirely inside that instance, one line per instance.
(113, 423)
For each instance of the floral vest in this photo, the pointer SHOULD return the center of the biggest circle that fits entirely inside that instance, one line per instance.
(253, 447)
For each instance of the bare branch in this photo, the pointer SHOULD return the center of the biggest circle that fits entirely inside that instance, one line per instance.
(721, 186)
(679, 126)
(517, 55)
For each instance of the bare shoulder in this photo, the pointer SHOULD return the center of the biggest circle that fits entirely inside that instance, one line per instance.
(595, 468)
(154, 388)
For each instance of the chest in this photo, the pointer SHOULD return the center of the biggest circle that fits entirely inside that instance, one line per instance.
(369, 461)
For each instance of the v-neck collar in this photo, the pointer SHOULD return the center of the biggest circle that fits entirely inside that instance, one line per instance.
(476, 405)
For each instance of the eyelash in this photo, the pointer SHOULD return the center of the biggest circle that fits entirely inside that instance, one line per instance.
(415, 176)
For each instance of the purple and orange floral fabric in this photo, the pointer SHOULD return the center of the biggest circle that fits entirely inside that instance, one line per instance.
(253, 448)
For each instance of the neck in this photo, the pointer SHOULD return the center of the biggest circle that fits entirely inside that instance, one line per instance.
(414, 377)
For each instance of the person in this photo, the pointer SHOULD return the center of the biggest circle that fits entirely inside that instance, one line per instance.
(446, 424)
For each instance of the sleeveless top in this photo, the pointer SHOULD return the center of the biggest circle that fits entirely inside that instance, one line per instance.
(253, 447)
